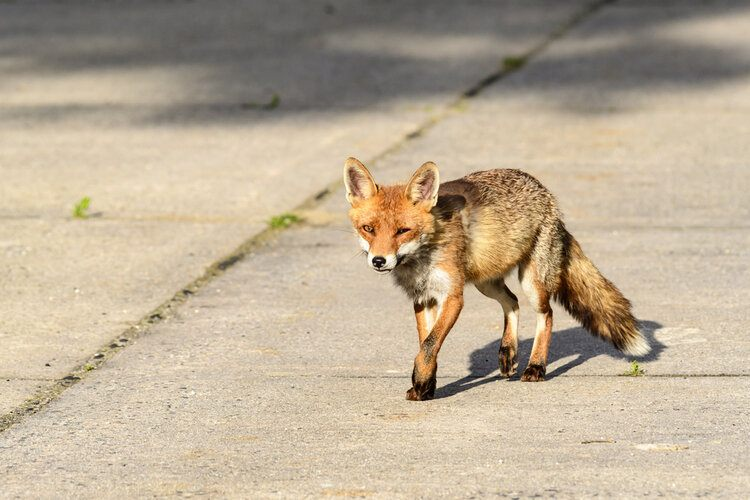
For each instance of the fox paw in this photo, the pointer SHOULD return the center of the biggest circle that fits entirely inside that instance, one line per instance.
(534, 373)
(508, 361)
(422, 392)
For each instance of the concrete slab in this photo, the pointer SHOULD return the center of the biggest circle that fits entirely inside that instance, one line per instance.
(291, 383)
(277, 317)
(152, 110)
(71, 286)
(15, 390)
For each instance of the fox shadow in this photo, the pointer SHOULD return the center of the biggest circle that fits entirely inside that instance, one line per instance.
(570, 342)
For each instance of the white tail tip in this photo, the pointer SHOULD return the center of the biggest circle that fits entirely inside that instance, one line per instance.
(638, 346)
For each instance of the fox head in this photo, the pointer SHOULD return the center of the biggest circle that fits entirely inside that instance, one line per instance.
(392, 222)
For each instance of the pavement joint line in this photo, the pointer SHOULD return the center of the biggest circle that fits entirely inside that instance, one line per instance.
(643, 227)
(172, 219)
(515, 378)
(524, 58)
(166, 310)
(8, 378)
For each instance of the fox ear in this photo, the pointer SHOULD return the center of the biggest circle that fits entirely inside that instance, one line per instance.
(423, 186)
(358, 181)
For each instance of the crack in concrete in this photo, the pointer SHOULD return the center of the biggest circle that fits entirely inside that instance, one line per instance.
(514, 379)
(167, 309)
(524, 58)
(167, 218)
(667, 228)
(26, 379)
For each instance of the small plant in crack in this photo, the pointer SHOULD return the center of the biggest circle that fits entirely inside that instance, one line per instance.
(265, 106)
(461, 105)
(81, 208)
(635, 370)
(512, 63)
(283, 220)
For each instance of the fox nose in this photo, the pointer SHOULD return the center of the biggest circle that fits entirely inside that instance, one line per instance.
(378, 261)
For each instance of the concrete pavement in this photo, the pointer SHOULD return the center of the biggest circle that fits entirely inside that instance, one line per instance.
(147, 108)
(286, 375)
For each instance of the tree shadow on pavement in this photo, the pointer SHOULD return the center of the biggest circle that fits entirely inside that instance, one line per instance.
(566, 343)
(223, 61)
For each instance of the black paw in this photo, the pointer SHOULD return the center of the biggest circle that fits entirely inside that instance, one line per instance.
(422, 391)
(534, 373)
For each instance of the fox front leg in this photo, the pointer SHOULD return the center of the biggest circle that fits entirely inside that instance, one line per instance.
(425, 364)
(426, 315)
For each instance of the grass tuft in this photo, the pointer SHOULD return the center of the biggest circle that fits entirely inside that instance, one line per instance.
(81, 209)
(283, 220)
(635, 370)
(513, 63)
(461, 105)
(265, 106)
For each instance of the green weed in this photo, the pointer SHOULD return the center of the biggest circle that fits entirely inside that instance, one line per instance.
(513, 63)
(81, 209)
(283, 220)
(461, 105)
(266, 106)
(635, 370)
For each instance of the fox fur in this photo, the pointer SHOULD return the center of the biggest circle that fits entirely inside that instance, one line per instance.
(436, 238)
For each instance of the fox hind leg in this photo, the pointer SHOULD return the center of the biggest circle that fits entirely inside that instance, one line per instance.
(498, 290)
(539, 297)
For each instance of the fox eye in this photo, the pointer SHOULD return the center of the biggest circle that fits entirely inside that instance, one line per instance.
(403, 230)
(367, 229)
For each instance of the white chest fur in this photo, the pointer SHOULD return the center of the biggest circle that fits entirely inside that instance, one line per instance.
(423, 282)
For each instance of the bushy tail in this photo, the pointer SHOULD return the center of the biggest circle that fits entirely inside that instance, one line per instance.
(596, 302)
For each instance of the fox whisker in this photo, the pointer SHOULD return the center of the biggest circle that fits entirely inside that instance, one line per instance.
(361, 252)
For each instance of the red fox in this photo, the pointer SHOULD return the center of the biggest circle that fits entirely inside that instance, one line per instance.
(436, 238)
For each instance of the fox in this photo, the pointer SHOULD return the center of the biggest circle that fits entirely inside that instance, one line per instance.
(437, 238)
